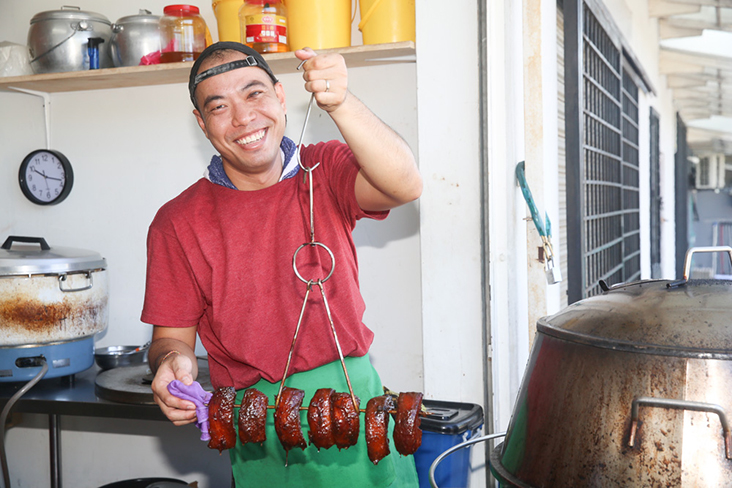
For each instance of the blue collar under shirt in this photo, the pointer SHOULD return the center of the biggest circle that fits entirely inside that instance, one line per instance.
(288, 150)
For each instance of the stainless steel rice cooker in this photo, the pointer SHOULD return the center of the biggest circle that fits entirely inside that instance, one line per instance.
(133, 37)
(53, 301)
(58, 40)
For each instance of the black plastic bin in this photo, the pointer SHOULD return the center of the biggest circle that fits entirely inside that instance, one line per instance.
(147, 483)
(448, 424)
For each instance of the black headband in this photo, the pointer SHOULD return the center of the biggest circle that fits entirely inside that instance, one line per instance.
(253, 59)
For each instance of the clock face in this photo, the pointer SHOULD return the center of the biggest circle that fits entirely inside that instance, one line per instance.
(46, 177)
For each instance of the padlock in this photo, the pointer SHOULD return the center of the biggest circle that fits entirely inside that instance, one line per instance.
(553, 273)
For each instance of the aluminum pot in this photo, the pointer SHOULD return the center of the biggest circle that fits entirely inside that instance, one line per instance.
(632, 387)
(58, 39)
(133, 37)
(50, 295)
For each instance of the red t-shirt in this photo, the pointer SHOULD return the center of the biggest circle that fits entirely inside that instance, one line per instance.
(222, 260)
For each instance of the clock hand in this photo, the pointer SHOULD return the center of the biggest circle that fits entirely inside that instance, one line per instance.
(40, 173)
(52, 178)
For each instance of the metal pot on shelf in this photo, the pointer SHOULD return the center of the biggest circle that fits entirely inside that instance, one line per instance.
(53, 301)
(133, 37)
(632, 387)
(58, 40)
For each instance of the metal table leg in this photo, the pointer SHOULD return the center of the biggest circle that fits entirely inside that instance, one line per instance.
(54, 430)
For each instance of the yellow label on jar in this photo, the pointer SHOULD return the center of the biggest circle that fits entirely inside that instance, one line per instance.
(266, 19)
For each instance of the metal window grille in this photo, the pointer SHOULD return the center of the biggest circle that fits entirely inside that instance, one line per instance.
(606, 176)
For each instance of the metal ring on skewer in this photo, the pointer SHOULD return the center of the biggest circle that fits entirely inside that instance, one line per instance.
(332, 260)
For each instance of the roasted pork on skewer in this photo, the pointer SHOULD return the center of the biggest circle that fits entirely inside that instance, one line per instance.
(253, 416)
(319, 419)
(345, 420)
(407, 434)
(332, 417)
(220, 419)
(376, 423)
(287, 419)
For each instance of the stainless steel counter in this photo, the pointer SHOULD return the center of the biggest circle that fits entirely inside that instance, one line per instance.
(74, 395)
(71, 395)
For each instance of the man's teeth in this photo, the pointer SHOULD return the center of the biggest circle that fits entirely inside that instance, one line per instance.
(251, 138)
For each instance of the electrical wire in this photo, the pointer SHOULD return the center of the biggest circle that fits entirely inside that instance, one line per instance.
(442, 456)
(4, 416)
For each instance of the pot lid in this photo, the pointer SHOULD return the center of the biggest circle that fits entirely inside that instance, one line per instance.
(21, 255)
(145, 17)
(688, 318)
(69, 13)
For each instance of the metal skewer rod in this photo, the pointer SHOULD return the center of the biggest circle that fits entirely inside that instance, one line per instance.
(422, 413)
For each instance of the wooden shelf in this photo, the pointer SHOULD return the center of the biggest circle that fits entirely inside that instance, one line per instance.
(162, 74)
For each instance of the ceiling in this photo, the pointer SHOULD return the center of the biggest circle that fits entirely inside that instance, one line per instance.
(695, 38)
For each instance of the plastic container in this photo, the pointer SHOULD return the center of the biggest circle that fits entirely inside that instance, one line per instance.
(448, 424)
(182, 33)
(263, 25)
(227, 19)
(147, 483)
(318, 24)
(384, 21)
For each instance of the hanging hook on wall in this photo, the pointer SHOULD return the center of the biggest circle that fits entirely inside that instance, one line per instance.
(46, 109)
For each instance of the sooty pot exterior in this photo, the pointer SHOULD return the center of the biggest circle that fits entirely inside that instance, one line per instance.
(629, 388)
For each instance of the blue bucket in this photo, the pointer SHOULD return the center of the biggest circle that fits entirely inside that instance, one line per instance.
(447, 425)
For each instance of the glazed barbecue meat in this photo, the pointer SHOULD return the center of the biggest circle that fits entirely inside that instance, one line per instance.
(407, 434)
(253, 416)
(287, 419)
(345, 420)
(220, 419)
(319, 419)
(377, 427)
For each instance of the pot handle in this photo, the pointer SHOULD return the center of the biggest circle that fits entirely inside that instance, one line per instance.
(682, 405)
(62, 280)
(687, 261)
(37, 240)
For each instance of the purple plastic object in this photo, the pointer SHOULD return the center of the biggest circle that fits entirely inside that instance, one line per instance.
(200, 397)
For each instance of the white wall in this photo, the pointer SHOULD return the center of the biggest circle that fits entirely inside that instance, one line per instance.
(132, 149)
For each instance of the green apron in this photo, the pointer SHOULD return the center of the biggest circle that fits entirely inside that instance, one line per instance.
(264, 465)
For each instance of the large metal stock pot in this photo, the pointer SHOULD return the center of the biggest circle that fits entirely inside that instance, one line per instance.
(58, 39)
(134, 37)
(53, 301)
(632, 387)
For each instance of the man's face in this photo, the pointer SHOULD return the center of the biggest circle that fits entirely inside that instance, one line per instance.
(243, 115)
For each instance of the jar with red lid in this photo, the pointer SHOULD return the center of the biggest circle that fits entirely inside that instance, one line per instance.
(182, 33)
(263, 25)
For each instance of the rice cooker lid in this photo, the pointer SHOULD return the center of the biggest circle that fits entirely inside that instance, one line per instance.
(27, 256)
(687, 318)
(73, 13)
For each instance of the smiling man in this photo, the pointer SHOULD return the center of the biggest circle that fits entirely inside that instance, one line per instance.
(220, 257)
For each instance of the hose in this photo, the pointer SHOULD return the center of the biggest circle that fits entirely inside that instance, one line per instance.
(457, 447)
(6, 411)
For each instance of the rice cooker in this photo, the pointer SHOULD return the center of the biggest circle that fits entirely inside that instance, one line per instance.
(53, 301)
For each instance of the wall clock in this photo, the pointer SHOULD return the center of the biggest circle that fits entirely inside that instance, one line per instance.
(46, 177)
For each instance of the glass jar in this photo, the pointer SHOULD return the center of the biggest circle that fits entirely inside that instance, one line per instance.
(182, 33)
(263, 25)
